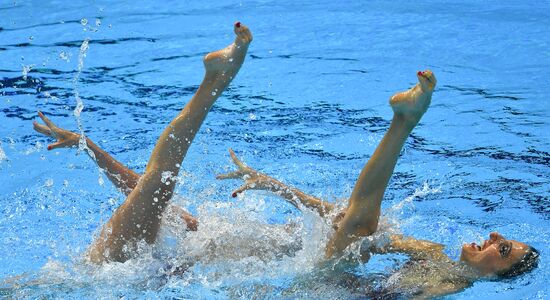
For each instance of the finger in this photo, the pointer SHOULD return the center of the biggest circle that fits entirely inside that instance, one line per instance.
(60, 144)
(53, 146)
(46, 120)
(240, 190)
(236, 160)
(41, 129)
(231, 175)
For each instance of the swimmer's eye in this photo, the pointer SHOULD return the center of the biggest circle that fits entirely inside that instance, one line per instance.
(504, 249)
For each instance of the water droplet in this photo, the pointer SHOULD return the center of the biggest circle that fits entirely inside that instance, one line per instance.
(49, 182)
(2, 154)
(84, 21)
(138, 225)
(231, 60)
(213, 93)
(156, 199)
(166, 177)
(31, 38)
(64, 56)
(26, 70)
(97, 22)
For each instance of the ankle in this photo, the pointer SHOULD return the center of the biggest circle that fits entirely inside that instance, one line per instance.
(406, 120)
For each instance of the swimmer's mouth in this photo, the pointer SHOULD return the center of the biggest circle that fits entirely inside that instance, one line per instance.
(484, 245)
(475, 246)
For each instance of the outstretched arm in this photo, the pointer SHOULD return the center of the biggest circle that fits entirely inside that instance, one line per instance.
(416, 249)
(255, 180)
(122, 177)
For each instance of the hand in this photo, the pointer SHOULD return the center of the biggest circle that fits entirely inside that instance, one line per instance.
(337, 220)
(64, 137)
(253, 179)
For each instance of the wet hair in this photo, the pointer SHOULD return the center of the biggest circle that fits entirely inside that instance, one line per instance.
(527, 263)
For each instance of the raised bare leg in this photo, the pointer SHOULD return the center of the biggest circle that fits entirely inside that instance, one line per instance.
(361, 218)
(138, 218)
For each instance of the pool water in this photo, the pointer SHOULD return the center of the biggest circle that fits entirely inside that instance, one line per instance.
(308, 107)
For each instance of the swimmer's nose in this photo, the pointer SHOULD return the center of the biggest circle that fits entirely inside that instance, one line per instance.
(495, 236)
(237, 24)
(420, 73)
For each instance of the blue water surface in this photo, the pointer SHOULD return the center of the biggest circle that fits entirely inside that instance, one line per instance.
(309, 106)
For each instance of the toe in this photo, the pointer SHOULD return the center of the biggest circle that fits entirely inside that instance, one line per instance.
(242, 32)
(247, 34)
(237, 27)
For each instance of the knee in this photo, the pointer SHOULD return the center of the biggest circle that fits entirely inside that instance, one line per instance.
(366, 228)
(361, 228)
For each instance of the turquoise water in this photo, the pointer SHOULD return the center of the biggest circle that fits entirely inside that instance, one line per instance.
(308, 107)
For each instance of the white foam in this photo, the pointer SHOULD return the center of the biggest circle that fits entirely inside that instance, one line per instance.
(3, 155)
(418, 193)
(234, 246)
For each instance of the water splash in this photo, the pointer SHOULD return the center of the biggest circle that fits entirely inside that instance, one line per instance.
(235, 251)
(26, 70)
(36, 148)
(66, 56)
(82, 145)
(408, 201)
(3, 155)
(49, 96)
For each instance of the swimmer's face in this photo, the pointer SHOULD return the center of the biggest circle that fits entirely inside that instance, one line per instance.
(427, 80)
(496, 254)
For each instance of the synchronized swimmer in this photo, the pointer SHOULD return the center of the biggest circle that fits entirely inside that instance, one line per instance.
(430, 273)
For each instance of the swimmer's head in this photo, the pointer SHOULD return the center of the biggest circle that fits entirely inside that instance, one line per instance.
(427, 80)
(499, 256)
